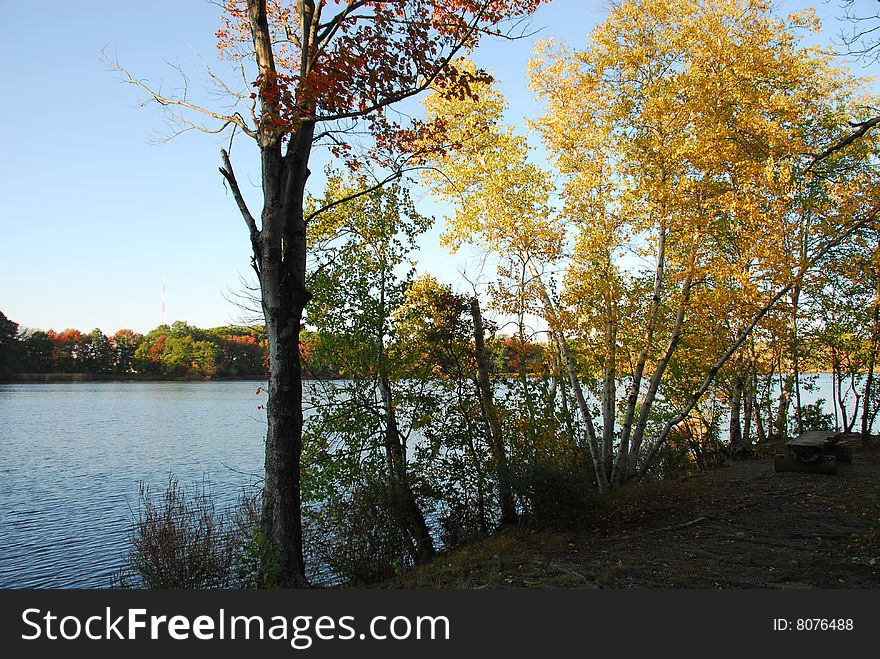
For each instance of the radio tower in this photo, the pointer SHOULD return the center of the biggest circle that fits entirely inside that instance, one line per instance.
(164, 319)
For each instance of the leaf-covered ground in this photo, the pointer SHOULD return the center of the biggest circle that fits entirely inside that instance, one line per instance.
(740, 526)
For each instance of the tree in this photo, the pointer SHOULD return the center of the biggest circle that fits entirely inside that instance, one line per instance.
(8, 344)
(69, 350)
(37, 351)
(357, 285)
(98, 353)
(502, 203)
(125, 343)
(465, 452)
(318, 79)
(842, 301)
(684, 134)
(148, 354)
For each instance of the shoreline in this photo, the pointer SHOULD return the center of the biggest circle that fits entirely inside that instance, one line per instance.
(67, 378)
(64, 378)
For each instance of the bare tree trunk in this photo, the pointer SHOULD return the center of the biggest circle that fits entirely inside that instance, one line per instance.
(281, 520)
(490, 412)
(279, 259)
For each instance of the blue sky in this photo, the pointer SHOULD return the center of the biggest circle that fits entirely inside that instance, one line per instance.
(93, 213)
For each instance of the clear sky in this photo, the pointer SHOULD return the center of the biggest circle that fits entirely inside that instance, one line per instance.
(93, 213)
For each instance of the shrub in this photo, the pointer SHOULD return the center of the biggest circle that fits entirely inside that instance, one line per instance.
(461, 523)
(553, 495)
(179, 540)
(359, 539)
(813, 417)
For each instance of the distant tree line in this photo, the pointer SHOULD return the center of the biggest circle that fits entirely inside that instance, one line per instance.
(181, 350)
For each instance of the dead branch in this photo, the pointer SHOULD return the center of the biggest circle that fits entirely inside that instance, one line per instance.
(663, 529)
(172, 102)
(229, 175)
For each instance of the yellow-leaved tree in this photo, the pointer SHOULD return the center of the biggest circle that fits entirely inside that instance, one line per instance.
(502, 205)
(685, 133)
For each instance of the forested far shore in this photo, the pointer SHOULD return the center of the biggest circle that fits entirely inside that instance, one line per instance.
(183, 352)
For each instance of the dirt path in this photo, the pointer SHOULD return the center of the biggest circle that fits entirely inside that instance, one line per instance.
(739, 526)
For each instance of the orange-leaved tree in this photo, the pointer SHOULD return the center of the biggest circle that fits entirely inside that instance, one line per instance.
(324, 72)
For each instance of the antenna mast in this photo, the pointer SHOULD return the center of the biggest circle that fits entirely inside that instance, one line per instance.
(164, 319)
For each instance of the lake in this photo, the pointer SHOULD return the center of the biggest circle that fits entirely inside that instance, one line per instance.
(72, 457)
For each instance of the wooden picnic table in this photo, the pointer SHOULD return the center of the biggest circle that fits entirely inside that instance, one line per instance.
(814, 451)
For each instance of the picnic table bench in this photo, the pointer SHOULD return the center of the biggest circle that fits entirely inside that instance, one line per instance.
(814, 451)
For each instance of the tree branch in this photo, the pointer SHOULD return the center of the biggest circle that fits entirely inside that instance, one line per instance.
(862, 128)
(167, 101)
(357, 195)
(442, 63)
(229, 175)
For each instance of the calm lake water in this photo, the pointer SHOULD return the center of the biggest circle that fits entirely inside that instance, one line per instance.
(72, 457)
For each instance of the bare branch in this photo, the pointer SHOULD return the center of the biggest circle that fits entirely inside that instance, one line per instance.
(229, 175)
(167, 101)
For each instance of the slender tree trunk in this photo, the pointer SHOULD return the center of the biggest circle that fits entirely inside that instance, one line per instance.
(490, 411)
(638, 435)
(780, 423)
(475, 454)
(736, 435)
(757, 398)
(795, 357)
(849, 421)
(744, 334)
(834, 396)
(563, 398)
(845, 422)
(750, 392)
(748, 410)
(609, 390)
(872, 363)
(406, 509)
(550, 308)
(620, 471)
